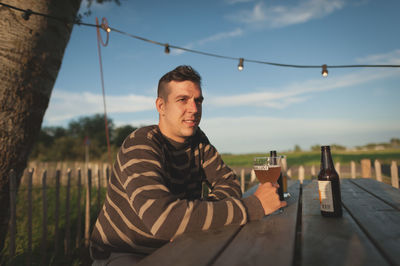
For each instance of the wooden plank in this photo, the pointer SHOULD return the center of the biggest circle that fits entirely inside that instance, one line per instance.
(13, 213)
(199, 248)
(78, 210)
(57, 214)
(98, 188)
(67, 239)
(366, 168)
(268, 241)
(44, 219)
(378, 219)
(333, 241)
(381, 190)
(378, 170)
(87, 207)
(394, 172)
(30, 210)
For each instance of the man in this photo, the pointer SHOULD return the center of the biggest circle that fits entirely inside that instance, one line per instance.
(155, 189)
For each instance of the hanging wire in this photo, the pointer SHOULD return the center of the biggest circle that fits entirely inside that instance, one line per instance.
(166, 45)
(104, 24)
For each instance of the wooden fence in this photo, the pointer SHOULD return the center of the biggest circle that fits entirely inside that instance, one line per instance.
(45, 178)
(97, 175)
(381, 172)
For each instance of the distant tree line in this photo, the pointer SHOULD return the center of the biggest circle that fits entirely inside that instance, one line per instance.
(59, 143)
(394, 143)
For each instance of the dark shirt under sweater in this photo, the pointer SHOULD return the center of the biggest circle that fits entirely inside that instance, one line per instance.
(154, 194)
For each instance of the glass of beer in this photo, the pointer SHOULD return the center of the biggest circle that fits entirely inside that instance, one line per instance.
(267, 169)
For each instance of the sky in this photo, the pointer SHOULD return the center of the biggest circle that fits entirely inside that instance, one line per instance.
(263, 107)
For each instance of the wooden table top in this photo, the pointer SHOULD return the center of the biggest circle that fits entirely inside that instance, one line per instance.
(367, 234)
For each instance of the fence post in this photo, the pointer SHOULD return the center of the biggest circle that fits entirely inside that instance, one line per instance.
(289, 173)
(395, 174)
(366, 168)
(44, 221)
(313, 172)
(98, 188)
(57, 212)
(301, 174)
(378, 170)
(242, 184)
(252, 176)
(87, 211)
(13, 211)
(337, 168)
(353, 169)
(67, 239)
(30, 181)
(107, 175)
(284, 165)
(79, 226)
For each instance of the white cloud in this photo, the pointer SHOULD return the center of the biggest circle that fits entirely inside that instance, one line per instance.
(282, 16)
(65, 105)
(390, 58)
(249, 134)
(300, 91)
(221, 36)
(213, 38)
(232, 2)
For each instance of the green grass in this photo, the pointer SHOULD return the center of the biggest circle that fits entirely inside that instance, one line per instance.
(310, 158)
(78, 256)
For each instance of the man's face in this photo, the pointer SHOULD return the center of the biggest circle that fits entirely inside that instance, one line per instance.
(180, 114)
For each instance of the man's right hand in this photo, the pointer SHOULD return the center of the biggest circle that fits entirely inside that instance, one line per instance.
(269, 198)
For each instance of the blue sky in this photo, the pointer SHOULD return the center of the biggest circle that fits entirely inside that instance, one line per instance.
(258, 109)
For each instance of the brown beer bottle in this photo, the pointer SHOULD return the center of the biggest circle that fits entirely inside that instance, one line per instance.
(280, 189)
(329, 186)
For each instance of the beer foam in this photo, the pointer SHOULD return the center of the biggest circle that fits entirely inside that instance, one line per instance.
(260, 167)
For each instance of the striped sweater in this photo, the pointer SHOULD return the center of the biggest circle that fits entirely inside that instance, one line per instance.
(154, 194)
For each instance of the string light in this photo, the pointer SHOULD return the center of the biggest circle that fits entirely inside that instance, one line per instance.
(240, 65)
(324, 71)
(166, 50)
(104, 26)
(27, 13)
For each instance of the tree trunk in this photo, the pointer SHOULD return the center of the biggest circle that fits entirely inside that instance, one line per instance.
(31, 53)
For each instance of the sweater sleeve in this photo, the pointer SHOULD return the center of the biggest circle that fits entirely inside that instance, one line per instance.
(141, 171)
(225, 183)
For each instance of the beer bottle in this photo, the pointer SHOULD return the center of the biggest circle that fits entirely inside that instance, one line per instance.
(329, 186)
(280, 189)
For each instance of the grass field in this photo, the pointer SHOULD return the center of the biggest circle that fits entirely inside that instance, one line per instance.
(310, 158)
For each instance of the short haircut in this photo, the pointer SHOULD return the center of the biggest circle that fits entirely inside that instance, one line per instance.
(181, 73)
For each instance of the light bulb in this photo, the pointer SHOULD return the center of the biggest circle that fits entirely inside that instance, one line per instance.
(167, 49)
(240, 65)
(324, 71)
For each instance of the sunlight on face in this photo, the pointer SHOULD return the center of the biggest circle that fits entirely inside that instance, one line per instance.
(180, 114)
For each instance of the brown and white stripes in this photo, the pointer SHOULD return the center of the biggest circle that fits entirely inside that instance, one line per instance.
(154, 194)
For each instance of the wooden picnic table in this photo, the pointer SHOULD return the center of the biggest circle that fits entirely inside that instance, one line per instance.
(367, 234)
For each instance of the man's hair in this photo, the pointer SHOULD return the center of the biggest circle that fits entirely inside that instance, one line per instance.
(181, 73)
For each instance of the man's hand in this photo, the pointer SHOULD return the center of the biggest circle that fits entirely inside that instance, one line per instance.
(268, 197)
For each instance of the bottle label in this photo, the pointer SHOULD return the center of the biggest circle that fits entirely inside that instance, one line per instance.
(325, 196)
